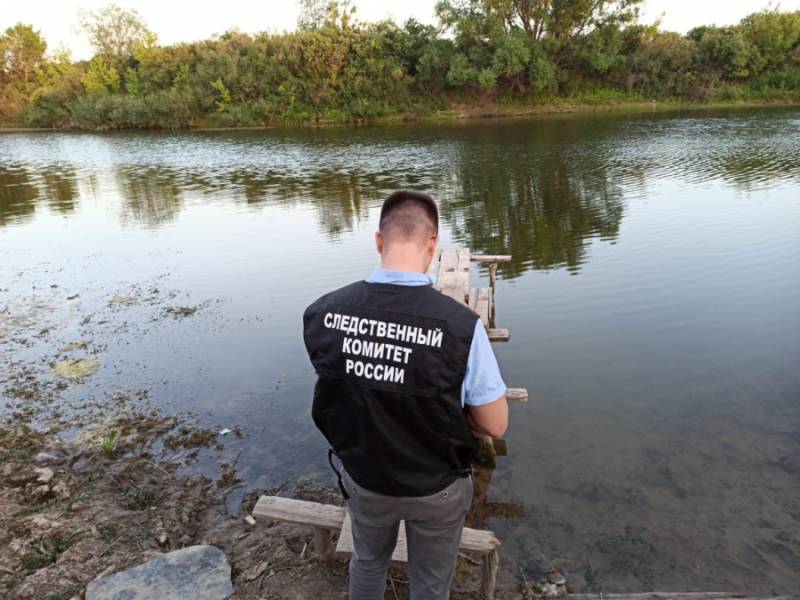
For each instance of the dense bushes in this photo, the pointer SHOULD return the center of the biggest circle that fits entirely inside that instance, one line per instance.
(332, 68)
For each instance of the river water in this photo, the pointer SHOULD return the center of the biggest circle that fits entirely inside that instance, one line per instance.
(653, 302)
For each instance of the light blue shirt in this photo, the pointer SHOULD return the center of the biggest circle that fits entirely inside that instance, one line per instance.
(483, 383)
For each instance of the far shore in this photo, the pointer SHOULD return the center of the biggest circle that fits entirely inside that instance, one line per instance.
(469, 112)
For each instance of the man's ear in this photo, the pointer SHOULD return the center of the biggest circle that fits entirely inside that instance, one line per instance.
(379, 242)
(432, 243)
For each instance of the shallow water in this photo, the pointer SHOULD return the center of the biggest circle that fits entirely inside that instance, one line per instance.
(653, 302)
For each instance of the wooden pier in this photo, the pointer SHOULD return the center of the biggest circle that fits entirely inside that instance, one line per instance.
(450, 272)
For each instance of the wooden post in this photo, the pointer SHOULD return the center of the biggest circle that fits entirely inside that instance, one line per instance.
(489, 574)
(486, 451)
(322, 542)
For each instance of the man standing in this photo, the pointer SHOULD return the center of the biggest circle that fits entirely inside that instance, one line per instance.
(404, 374)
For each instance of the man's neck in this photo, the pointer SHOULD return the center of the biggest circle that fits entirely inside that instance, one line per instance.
(404, 265)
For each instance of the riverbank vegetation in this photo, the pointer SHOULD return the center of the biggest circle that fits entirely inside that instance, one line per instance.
(481, 56)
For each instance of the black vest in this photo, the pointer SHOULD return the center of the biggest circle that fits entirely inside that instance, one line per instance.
(390, 361)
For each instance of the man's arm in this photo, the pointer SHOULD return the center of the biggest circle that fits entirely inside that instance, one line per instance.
(491, 419)
(484, 389)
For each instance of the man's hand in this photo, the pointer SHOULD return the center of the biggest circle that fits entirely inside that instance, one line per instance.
(491, 419)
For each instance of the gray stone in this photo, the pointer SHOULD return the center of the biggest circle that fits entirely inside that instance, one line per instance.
(44, 474)
(192, 573)
(46, 457)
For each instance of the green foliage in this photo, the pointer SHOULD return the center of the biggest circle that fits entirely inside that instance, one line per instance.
(101, 77)
(44, 552)
(334, 68)
(21, 60)
(109, 444)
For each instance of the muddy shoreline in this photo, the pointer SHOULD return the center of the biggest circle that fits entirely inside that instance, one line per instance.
(463, 111)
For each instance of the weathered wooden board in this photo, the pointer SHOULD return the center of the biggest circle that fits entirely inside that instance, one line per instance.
(453, 278)
(472, 540)
(517, 394)
(498, 335)
(483, 304)
(344, 547)
(454, 284)
(463, 259)
(448, 261)
(300, 511)
(490, 258)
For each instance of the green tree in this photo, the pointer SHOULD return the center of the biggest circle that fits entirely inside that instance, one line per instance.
(775, 38)
(22, 58)
(115, 31)
(22, 51)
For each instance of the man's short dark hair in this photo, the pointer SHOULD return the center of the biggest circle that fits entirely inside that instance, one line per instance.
(409, 214)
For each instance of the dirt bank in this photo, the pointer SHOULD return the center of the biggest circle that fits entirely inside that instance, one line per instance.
(71, 512)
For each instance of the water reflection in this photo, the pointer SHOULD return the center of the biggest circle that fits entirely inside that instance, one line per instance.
(22, 188)
(540, 190)
(151, 197)
(17, 196)
(542, 212)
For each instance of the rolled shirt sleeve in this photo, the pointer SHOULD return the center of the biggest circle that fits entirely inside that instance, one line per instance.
(483, 383)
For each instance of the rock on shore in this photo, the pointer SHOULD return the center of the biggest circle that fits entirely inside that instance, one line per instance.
(191, 573)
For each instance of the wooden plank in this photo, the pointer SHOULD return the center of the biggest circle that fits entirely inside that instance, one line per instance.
(487, 454)
(482, 306)
(453, 281)
(454, 284)
(498, 335)
(299, 511)
(344, 547)
(517, 394)
(472, 540)
(490, 258)
(448, 260)
(473, 298)
(489, 574)
(322, 543)
(463, 259)
(478, 540)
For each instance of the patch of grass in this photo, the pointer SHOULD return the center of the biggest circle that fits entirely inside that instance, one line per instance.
(15, 454)
(109, 444)
(44, 552)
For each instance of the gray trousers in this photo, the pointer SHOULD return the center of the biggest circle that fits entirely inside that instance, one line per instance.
(433, 534)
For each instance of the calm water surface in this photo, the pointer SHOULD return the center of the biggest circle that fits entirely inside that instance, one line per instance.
(653, 301)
